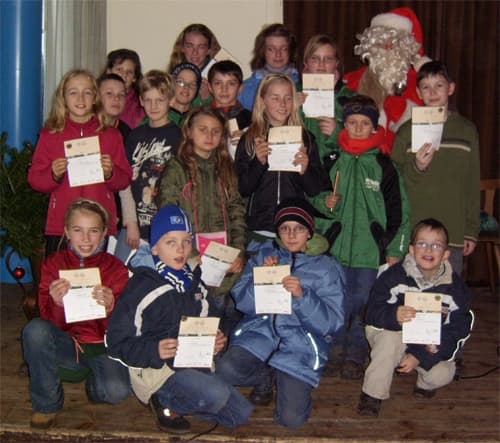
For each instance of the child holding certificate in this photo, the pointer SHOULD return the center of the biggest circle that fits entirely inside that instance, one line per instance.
(73, 121)
(275, 106)
(289, 349)
(57, 350)
(453, 172)
(143, 332)
(366, 214)
(201, 180)
(425, 270)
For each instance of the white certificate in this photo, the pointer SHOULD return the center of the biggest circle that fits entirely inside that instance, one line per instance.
(425, 328)
(270, 295)
(215, 261)
(79, 304)
(84, 161)
(282, 157)
(320, 95)
(196, 342)
(427, 126)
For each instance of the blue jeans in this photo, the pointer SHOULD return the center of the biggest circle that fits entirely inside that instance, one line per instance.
(293, 396)
(350, 343)
(47, 348)
(193, 392)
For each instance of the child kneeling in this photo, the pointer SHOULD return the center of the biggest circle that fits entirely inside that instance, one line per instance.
(143, 330)
(425, 269)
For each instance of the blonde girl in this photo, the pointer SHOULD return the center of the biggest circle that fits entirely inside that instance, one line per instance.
(276, 105)
(57, 351)
(195, 44)
(76, 115)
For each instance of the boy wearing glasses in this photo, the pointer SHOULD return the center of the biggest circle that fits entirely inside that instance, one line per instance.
(187, 83)
(289, 350)
(425, 269)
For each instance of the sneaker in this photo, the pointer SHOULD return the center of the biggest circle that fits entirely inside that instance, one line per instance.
(424, 393)
(42, 421)
(352, 370)
(368, 406)
(261, 398)
(167, 420)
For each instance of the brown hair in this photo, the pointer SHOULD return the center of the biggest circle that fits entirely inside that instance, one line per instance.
(156, 79)
(259, 50)
(318, 40)
(428, 223)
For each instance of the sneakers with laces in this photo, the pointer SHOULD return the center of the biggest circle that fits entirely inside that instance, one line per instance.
(41, 420)
(172, 423)
(368, 406)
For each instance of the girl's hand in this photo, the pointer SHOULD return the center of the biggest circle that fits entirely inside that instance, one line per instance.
(167, 348)
(301, 98)
(261, 150)
(331, 200)
(292, 284)
(271, 260)
(237, 265)
(204, 92)
(58, 168)
(327, 125)
(107, 166)
(104, 297)
(407, 364)
(133, 235)
(58, 289)
(424, 156)
(220, 342)
(405, 314)
(302, 159)
(391, 260)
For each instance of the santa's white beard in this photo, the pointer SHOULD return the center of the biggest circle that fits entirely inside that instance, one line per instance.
(390, 69)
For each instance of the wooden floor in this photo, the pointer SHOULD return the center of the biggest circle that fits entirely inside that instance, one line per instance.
(466, 410)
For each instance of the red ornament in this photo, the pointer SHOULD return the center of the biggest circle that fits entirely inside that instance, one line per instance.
(18, 272)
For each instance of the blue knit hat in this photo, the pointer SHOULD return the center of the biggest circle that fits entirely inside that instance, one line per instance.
(364, 105)
(190, 67)
(168, 218)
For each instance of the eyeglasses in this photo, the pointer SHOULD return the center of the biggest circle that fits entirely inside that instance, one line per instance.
(299, 229)
(182, 84)
(433, 246)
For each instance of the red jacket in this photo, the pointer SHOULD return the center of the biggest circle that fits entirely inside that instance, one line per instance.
(114, 275)
(51, 146)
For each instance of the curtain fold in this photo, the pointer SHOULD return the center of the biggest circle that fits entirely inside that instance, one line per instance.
(463, 34)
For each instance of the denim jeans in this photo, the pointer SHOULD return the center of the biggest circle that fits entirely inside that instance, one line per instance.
(293, 396)
(350, 343)
(206, 396)
(47, 348)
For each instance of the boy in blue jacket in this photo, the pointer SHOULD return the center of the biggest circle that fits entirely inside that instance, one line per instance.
(291, 349)
(425, 269)
(142, 332)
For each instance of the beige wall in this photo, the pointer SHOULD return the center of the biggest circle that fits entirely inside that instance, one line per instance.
(151, 26)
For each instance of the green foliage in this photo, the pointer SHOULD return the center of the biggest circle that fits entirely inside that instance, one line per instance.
(22, 210)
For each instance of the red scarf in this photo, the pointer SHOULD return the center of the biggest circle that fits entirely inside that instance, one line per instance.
(358, 146)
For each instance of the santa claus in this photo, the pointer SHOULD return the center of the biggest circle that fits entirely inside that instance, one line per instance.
(392, 47)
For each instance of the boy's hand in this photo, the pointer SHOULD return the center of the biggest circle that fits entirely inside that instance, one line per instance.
(104, 297)
(133, 235)
(424, 156)
(327, 125)
(392, 260)
(167, 348)
(469, 246)
(407, 364)
(220, 342)
(292, 284)
(271, 260)
(301, 98)
(107, 166)
(58, 289)
(302, 159)
(331, 200)
(405, 314)
(58, 168)
(262, 150)
(237, 265)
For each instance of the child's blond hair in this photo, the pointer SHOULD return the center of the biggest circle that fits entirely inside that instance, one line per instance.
(260, 124)
(156, 79)
(59, 111)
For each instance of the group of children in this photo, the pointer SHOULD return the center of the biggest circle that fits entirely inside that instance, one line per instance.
(185, 159)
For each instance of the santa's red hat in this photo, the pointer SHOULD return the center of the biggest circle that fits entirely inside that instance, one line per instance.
(403, 19)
